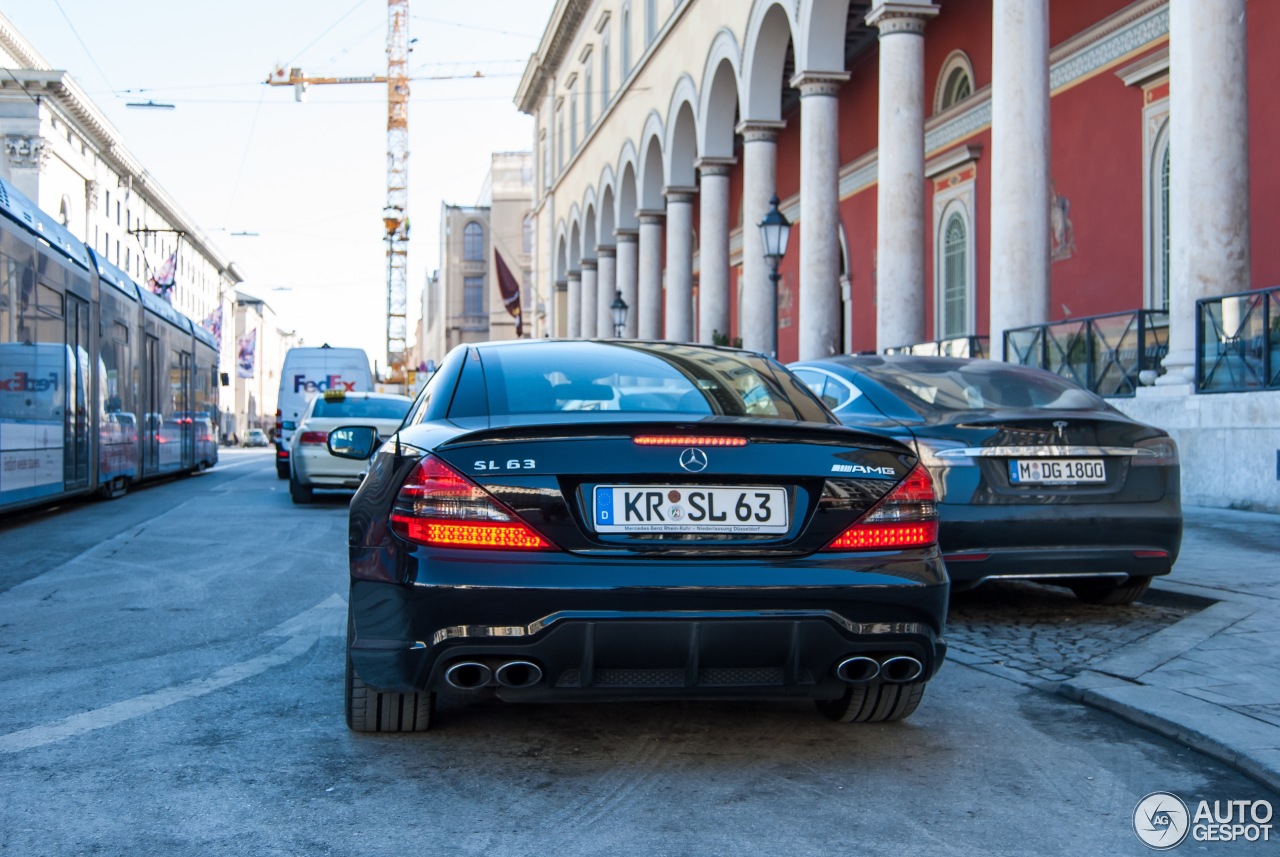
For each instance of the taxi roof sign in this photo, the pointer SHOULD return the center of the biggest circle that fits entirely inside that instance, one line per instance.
(334, 395)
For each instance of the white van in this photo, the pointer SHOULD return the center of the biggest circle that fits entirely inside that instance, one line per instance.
(307, 373)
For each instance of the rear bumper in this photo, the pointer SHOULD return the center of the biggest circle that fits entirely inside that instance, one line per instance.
(702, 639)
(1137, 539)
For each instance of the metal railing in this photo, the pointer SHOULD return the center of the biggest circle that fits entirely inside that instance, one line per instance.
(1238, 342)
(957, 346)
(1107, 354)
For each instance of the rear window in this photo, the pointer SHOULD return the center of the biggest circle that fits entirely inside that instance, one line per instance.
(981, 385)
(639, 378)
(374, 409)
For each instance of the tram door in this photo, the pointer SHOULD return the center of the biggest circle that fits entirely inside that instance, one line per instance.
(183, 406)
(76, 444)
(150, 428)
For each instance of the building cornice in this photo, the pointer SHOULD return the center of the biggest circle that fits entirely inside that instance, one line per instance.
(556, 41)
(62, 92)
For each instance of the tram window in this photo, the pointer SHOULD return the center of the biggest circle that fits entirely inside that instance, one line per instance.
(49, 301)
(10, 278)
(121, 332)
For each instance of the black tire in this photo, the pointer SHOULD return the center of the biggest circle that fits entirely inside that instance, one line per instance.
(299, 493)
(369, 710)
(874, 703)
(1111, 593)
(282, 469)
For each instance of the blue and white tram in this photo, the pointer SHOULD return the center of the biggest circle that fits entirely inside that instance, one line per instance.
(102, 383)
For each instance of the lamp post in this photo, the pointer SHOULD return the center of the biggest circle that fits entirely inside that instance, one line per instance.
(775, 229)
(619, 309)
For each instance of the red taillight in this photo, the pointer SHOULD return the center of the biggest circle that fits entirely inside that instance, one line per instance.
(686, 440)
(313, 438)
(279, 422)
(906, 517)
(437, 505)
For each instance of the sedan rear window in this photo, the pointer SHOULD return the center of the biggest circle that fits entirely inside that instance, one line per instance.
(374, 409)
(981, 385)
(638, 378)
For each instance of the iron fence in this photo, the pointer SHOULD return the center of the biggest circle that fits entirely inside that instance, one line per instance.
(957, 346)
(1238, 342)
(1107, 354)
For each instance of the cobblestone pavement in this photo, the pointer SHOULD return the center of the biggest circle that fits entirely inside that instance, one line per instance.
(1045, 632)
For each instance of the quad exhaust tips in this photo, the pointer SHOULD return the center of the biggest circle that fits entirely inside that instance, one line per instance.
(857, 670)
(861, 669)
(468, 675)
(518, 674)
(473, 675)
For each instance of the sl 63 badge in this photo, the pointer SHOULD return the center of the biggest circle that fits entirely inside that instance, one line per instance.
(511, 464)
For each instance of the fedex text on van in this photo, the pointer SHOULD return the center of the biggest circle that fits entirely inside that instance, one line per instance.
(332, 382)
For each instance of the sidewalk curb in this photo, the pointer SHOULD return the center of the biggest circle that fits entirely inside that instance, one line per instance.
(1245, 744)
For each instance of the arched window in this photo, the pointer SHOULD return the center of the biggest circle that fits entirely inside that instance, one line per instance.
(954, 303)
(626, 41)
(955, 81)
(473, 242)
(650, 20)
(1160, 222)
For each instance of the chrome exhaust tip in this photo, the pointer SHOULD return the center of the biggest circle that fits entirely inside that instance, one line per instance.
(518, 674)
(468, 675)
(857, 670)
(901, 668)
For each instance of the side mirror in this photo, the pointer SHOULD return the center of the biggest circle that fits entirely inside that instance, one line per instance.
(355, 442)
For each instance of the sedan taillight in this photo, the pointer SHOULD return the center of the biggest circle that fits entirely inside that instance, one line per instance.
(1156, 452)
(906, 517)
(313, 438)
(437, 505)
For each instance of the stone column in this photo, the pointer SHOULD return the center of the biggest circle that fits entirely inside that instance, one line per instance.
(606, 284)
(1209, 168)
(628, 246)
(587, 313)
(559, 309)
(679, 299)
(1019, 167)
(900, 231)
(648, 306)
(573, 328)
(713, 249)
(758, 314)
(820, 212)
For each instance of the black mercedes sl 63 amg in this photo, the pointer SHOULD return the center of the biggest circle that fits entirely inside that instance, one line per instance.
(576, 520)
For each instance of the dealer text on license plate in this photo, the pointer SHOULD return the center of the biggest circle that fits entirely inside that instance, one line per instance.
(690, 509)
(1058, 471)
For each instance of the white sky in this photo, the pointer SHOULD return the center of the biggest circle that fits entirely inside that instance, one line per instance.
(309, 178)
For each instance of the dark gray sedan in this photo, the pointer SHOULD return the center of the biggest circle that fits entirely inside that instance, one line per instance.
(1037, 477)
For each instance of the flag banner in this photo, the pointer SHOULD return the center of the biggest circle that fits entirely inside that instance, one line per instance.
(162, 279)
(213, 324)
(510, 290)
(245, 348)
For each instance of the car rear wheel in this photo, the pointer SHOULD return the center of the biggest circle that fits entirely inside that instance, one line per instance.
(282, 470)
(1111, 593)
(300, 493)
(369, 710)
(874, 703)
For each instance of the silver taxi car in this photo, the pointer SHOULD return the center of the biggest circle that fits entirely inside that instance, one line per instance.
(311, 464)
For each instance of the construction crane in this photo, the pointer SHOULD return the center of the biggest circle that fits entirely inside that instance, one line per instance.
(395, 215)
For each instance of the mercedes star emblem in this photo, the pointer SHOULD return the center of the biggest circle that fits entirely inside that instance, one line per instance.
(693, 460)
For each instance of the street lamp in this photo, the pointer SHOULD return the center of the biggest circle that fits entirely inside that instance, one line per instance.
(619, 308)
(775, 229)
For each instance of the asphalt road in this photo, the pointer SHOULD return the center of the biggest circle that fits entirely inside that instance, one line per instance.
(171, 684)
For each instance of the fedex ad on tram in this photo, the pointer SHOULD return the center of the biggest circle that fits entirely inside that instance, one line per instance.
(33, 405)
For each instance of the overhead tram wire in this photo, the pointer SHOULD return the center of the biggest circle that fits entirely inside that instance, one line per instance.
(87, 52)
